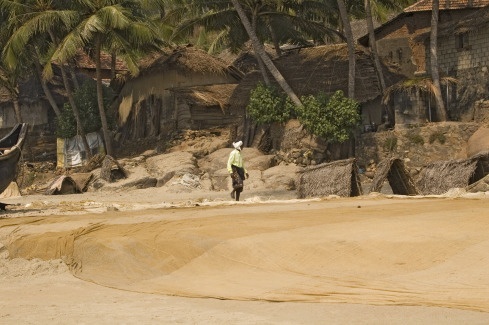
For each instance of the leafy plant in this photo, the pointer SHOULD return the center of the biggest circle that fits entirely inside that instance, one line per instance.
(437, 136)
(390, 144)
(333, 118)
(86, 100)
(267, 105)
(415, 138)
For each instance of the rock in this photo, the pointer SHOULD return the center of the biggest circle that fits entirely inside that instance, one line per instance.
(478, 142)
(174, 164)
(281, 177)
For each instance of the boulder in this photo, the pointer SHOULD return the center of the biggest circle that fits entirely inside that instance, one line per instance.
(283, 177)
(478, 142)
(166, 166)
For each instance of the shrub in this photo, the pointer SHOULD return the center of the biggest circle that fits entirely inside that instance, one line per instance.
(333, 118)
(390, 144)
(415, 138)
(267, 105)
(86, 100)
(437, 136)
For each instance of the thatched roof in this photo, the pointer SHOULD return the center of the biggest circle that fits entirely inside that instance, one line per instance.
(439, 177)
(245, 61)
(213, 95)
(334, 178)
(186, 59)
(399, 179)
(427, 5)
(62, 185)
(319, 69)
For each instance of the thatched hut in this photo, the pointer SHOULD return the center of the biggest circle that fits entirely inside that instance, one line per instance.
(395, 172)
(482, 166)
(334, 178)
(155, 102)
(439, 177)
(323, 69)
(203, 107)
(34, 107)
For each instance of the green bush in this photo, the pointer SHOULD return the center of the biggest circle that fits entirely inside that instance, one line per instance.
(390, 144)
(415, 138)
(437, 136)
(333, 118)
(267, 105)
(86, 100)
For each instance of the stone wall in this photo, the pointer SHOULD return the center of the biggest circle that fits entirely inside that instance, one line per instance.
(418, 146)
(474, 53)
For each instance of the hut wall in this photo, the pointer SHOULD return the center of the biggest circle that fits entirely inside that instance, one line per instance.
(458, 54)
(32, 113)
(149, 96)
(157, 84)
(208, 117)
(417, 146)
(396, 44)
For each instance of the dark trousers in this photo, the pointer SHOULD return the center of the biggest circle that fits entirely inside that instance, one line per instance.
(237, 176)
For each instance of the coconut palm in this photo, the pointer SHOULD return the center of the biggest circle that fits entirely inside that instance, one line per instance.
(258, 47)
(36, 25)
(117, 26)
(435, 75)
(275, 22)
(351, 47)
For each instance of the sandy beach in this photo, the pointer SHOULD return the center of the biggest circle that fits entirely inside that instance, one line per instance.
(151, 257)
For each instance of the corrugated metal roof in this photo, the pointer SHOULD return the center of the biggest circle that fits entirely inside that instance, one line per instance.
(426, 5)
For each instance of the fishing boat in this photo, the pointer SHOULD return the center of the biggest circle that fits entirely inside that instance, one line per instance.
(10, 153)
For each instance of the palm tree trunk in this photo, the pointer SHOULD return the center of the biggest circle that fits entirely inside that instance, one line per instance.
(276, 44)
(74, 79)
(261, 65)
(45, 88)
(76, 112)
(18, 114)
(100, 99)
(113, 61)
(259, 50)
(351, 47)
(435, 75)
(373, 45)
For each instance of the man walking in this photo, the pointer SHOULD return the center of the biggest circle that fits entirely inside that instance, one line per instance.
(237, 170)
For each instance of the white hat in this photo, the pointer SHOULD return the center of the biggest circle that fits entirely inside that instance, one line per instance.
(237, 145)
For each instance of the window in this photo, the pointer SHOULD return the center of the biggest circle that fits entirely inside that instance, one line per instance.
(462, 41)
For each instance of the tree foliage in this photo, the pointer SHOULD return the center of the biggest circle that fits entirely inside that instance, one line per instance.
(86, 101)
(330, 117)
(267, 105)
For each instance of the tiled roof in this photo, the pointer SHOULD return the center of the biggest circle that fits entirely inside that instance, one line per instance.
(425, 5)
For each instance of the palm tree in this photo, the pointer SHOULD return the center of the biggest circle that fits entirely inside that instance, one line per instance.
(260, 51)
(114, 25)
(270, 21)
(351, 47)
(9, 80)
(35, 24)
(435, 75)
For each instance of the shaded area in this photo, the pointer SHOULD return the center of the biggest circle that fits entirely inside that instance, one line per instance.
(395, 172)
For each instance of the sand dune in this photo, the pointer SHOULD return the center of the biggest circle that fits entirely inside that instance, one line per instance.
(431, 252)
